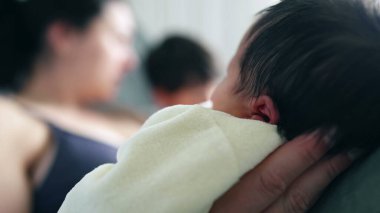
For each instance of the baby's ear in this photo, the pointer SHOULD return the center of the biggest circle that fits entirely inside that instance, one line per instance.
(264, 109)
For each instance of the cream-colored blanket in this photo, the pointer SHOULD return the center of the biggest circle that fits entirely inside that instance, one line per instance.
(182, 160)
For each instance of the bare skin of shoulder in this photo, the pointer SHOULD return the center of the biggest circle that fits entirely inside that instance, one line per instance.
(105, 126)
(24, 142)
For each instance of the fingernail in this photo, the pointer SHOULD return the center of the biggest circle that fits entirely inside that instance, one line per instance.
(328, 141)
(328, 137)
(355, 153)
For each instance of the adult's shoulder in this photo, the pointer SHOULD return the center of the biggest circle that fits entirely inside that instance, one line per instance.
(22, 141)
(22, 137)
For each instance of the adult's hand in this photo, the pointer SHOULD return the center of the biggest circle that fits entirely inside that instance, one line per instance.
(290, 180)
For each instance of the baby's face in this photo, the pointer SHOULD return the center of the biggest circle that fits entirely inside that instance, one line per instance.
(225, 98)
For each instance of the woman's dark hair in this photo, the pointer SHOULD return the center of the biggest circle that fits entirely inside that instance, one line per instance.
(177, 62)
(23, 24)
(319, 60)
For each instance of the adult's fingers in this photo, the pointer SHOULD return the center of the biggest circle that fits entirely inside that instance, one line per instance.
(260, 187)
(306, 189)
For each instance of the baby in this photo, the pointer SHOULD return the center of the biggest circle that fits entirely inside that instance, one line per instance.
(304, 65)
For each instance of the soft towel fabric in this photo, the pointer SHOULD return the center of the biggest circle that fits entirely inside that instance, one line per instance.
(182, 160)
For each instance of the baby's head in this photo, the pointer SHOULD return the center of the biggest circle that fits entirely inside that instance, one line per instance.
(180, 70)
(310, 64)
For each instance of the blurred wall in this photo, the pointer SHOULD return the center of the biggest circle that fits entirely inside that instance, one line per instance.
(218, 24)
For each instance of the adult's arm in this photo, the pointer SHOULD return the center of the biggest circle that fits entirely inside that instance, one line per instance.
(22, 138)
(289, 180)
(14, 186)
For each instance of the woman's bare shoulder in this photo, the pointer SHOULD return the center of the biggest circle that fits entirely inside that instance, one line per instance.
(22, 137)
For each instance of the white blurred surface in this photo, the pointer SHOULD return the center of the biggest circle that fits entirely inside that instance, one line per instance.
(219, 23)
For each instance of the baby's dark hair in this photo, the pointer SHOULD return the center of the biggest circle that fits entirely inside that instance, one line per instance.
(319, 60)
(179, 61)
(23, 25)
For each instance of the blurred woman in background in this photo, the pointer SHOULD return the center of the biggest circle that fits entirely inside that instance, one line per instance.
(60, 57)
(57, 58)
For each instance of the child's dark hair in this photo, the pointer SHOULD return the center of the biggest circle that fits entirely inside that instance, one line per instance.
(319, 60)
(23, 25)
(179, 61)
